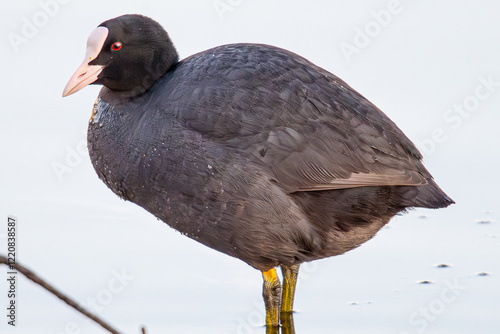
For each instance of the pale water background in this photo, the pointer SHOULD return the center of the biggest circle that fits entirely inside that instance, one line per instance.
(420, 65)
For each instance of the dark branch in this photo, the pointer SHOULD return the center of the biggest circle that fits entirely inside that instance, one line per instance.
(35, 278)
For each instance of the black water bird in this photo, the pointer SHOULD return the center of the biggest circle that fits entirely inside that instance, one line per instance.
(249, 149)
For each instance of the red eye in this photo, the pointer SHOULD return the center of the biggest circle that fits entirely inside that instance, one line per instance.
(116, 46)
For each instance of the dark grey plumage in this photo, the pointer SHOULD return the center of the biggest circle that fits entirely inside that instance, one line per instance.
(258, 153)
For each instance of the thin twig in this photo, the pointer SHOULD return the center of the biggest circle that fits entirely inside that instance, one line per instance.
(35, 278)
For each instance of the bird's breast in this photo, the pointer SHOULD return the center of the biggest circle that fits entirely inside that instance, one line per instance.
(107, 144)
(146, 157)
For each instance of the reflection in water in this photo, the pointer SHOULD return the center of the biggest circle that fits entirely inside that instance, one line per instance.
(286, 325)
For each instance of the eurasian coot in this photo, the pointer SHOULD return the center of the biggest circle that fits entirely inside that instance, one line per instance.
(249, 149)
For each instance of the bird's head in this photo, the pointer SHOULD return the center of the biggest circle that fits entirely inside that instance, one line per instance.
(128, 54)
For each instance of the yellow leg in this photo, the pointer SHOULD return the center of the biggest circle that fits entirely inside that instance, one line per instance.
(272, 295)
(290, 274)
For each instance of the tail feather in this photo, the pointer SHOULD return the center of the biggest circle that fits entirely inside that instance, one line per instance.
(427, 196)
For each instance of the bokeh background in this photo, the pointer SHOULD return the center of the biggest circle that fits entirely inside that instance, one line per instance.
(432, 66)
